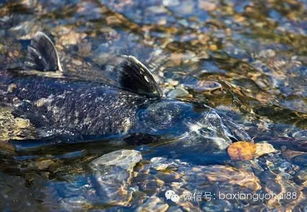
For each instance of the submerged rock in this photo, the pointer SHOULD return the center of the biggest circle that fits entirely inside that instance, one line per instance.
(106, 185)
(112, 173)
(264, 148)
(153, 204)
(14, 127)
(125, 159)
(122, 179)
(194, 186)
(264, 183)
(177, 93)
(16, 195)
(242, 150)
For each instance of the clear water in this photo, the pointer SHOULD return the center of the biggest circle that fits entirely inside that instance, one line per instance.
(246, 59)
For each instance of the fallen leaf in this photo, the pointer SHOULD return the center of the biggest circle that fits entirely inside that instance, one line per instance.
(242, 150)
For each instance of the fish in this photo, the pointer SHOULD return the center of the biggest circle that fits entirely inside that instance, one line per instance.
(66, 109)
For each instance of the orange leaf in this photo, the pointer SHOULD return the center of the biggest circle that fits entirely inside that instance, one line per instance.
(242, 150)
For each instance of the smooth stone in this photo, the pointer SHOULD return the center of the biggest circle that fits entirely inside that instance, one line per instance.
(178, 92)
(112, 175)
(153, 204)
(125, 159)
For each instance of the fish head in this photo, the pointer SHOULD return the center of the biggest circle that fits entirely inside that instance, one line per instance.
(168, 117)
(194, 125)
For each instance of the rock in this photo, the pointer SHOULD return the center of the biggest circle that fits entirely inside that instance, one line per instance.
(302, 134)
(291, 154)
(157, 163)
(42, 101)
(213, 47)
(17, 195)
(107, 183)
(112, 173)
(176, 58)
(231, 175)
(267, 53)
(302, 177)
(190, 183)
(172, 3)
(208, 5)
(44, 164)
(153, 204)
(264, 148)
(205, 86)
(1, 48)
(172, 83)
(11, 87)
(68, 36)
(300, 160)
(125, 159)
(178, 92)
(248, 151)
(160, 164)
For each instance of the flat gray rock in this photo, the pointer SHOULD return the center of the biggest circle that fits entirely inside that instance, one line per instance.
(125, 159)
(112, 174)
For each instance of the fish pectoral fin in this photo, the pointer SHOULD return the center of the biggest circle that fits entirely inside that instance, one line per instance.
(42, 54)
(135, 76)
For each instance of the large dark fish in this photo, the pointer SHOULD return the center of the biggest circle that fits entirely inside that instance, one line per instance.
(70, 110)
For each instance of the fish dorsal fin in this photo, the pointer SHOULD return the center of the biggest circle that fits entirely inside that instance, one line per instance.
(42, 55)
(134, 76)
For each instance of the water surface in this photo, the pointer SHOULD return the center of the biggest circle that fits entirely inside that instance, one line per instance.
(247, 59)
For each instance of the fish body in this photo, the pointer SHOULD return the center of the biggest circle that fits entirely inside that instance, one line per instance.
(65, 109)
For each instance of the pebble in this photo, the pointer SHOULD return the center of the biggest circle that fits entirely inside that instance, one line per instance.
(125, 159)
(302, 176)
(171, 3)
(264, 148)
(68, 36)
(267, 53)
(208, 5)
(11, 87)
(44, 164)
(202, 86)
(112, 173)
(153, 204)
(213, 47)
(178, 92)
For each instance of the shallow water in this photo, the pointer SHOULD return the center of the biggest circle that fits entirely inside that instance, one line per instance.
(246, 59)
